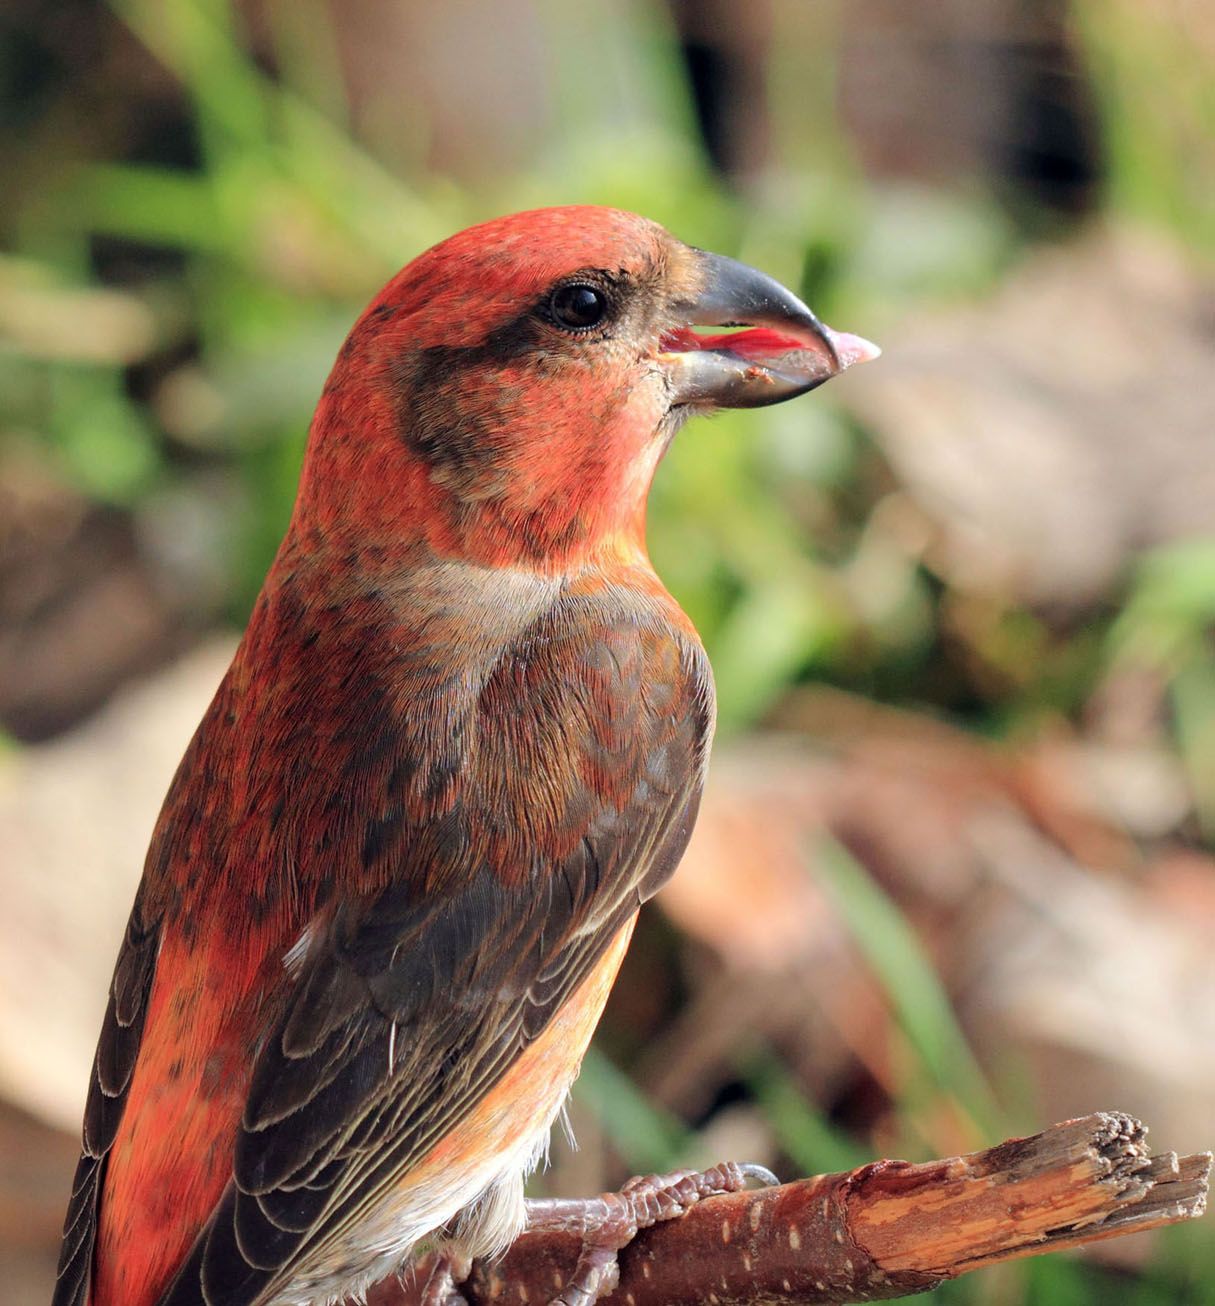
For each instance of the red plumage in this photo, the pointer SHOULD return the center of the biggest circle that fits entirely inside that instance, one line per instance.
(462, 740)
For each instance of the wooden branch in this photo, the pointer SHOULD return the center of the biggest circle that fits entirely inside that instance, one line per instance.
(889, 1229)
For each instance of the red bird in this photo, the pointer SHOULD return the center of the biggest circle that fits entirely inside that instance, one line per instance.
(461, 742)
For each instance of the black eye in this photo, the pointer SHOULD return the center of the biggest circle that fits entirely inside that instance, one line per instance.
(578, 307)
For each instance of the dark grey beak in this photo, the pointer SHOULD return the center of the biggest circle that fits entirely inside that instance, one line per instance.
(788, 351)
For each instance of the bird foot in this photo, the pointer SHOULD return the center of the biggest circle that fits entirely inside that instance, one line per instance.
(611, 1221)
(445, 1275)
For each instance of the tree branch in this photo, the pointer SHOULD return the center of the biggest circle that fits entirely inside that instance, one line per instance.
(889, 1229)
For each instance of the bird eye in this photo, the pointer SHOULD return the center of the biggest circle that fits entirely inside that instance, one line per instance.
(578, 307)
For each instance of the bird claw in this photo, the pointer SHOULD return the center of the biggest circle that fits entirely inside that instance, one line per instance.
(442, 1286)
(610, 1222)
(760, 1173)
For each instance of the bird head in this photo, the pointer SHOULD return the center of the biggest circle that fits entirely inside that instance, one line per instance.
(506, 398)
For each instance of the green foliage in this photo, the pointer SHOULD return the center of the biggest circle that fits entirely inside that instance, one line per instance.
(944, 1061)
(1168, 627)
(1158, 112)
(811, 1141)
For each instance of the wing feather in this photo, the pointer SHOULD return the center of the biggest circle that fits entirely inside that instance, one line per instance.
(416, 1000)
(113, 1066)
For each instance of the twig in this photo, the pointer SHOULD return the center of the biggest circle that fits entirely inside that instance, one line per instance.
(889, 1229)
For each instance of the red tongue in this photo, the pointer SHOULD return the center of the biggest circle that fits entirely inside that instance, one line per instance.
(756, 342)
(767, 347)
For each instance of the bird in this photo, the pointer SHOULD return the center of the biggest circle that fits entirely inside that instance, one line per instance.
(461, 742)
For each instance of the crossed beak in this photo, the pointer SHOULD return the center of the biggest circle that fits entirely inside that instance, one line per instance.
(786, 352)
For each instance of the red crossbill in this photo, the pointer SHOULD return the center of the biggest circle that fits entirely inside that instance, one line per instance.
(462, 741)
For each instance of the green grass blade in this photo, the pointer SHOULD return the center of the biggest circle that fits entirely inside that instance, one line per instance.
(813, 1143)
(912, 987)
(648, 1137)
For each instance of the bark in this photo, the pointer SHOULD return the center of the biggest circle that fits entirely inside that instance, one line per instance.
(889, 1229)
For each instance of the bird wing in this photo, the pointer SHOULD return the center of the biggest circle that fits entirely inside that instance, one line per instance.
(578, 793)
(113, 1066)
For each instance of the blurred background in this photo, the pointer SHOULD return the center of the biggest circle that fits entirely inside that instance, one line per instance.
(954, 875)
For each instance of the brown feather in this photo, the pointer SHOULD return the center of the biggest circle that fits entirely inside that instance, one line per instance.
(461, 964)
